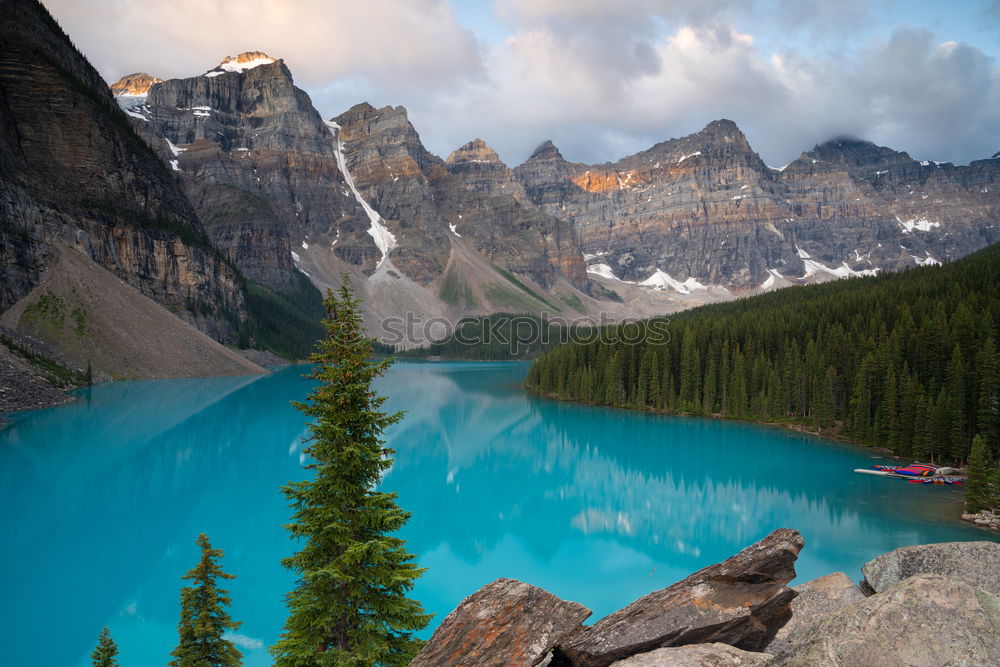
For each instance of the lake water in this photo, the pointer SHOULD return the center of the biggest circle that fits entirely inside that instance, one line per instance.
(102, 500)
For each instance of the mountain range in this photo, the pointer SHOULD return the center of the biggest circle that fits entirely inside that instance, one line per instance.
(691, 220)
(226, 199)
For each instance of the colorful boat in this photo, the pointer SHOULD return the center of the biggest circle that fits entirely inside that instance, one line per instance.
(938, 480)
(917, 470)
(915, 473)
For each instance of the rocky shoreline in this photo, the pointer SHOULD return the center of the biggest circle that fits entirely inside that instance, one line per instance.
(919, 605)
(984, 519)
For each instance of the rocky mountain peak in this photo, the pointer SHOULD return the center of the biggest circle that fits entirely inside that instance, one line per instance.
(862, 158)
(241, 63)
(390, 123)
(547, 151)
(723, 131)
(475, 151)
(137, 84)
(996, 156)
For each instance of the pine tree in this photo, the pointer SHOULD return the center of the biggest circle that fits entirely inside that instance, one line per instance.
(655, 394)
(204, 618)
(642, 382)
(613, 378)
(958, 441)
(988, 410)
(350, 606)
(105, 651)
(978, 486)
(922, 436)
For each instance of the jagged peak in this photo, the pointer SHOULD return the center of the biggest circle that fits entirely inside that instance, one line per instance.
(135, 84)
(241, 63)
(723, 129)
(475, 151)
(723, 124)
(387, 118)
(546, 151)
(361, 108)
(996, 156)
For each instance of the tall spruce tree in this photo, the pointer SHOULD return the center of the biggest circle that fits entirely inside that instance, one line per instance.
(350, 606)
(105, 651)
(204, 619)
(979, 485)
(988, 410)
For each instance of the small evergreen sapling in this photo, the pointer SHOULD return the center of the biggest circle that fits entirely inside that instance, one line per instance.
(204, 619)
(105, 651)
(979, 485)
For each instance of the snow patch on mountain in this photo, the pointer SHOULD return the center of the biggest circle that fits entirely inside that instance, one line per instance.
(604, 271)
(772, 279)
(384, 239)
(661, 280)
(241, 63)
(174, 149)
(843, 271)
(926, 261)
(918, 224)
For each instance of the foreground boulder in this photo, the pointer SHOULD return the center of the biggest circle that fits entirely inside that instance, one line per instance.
(975, 562)
(697, 655)
(506, 622)
(928, 620)
(817, 599)
(742, 601)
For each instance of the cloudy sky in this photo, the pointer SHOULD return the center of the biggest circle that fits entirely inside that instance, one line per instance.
(601, 78)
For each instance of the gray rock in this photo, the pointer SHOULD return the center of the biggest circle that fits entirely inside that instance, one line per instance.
(260, 167)
(928, 619)
(817, 599)
(742, 601)
(506, 622)
(706, 206)
(975, 562)
(698, 655)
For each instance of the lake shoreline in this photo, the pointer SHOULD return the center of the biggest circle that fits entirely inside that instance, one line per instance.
(960, 514)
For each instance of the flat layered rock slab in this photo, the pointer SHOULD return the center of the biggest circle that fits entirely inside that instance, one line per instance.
(928, 619)
(506, 622)
(817, 599)
(742, 602)
(697, 655)
(975, 562)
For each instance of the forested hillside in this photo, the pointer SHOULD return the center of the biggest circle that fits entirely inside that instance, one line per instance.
(905, 361)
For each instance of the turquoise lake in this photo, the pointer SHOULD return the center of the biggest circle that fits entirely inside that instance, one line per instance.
(103, 498)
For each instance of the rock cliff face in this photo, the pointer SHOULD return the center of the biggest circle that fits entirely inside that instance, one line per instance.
(472, 195)
(689, 221)
(259, 165)
(72, 171)
(706, 209)
(279, 191)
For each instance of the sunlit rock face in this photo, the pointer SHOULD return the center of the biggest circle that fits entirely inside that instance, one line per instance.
(706, 207)
(132, 89)
(471, 195)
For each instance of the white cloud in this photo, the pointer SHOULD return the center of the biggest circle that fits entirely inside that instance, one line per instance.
(416, 44)
(601, 79)
(936, 100)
